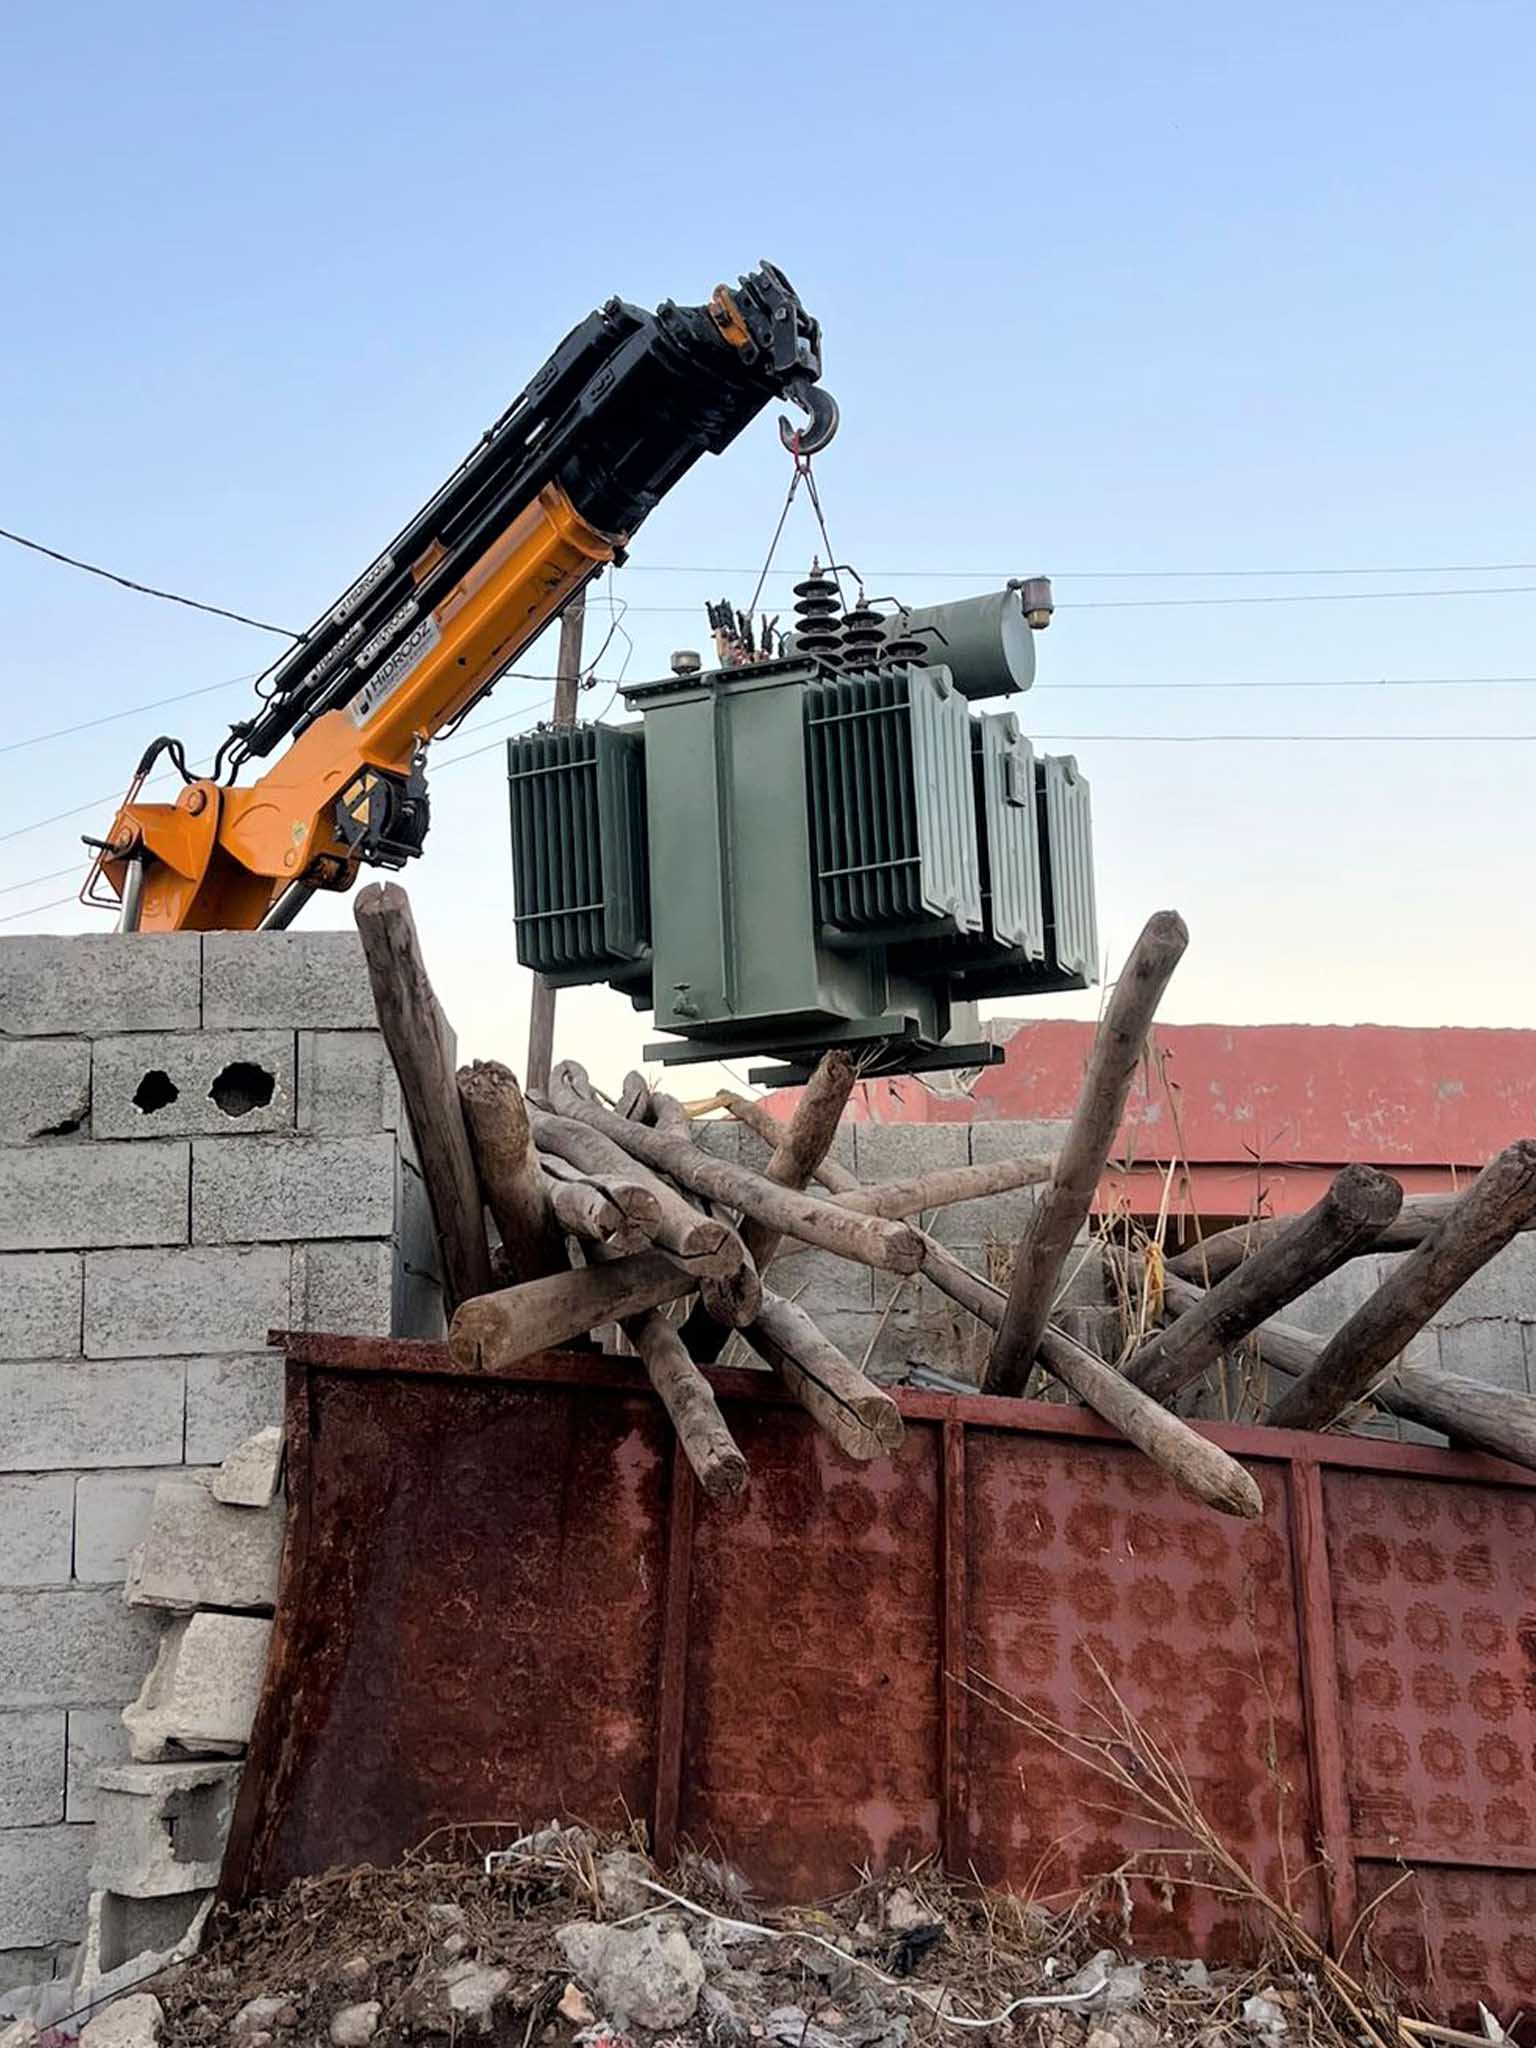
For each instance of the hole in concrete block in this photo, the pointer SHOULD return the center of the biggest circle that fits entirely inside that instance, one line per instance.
(198, 1822)
(130, 1926)
(156, 1091)
(64, 1129)
(242, 1087)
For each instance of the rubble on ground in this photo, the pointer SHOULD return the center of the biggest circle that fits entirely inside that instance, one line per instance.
(568, 1941)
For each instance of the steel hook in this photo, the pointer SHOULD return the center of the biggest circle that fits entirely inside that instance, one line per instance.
(820, 407)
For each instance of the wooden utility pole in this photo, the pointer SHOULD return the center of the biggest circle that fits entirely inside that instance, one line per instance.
(541, 1017)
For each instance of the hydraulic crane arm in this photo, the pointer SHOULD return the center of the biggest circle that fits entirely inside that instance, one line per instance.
(552, 492)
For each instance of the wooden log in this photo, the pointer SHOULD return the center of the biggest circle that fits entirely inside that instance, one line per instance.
(495, 1330)
(515, 1190)
(727, 1301)
(1499, 1203)
(634, 1102)
(1196, 1466)
(689, 1399)
(853, 1411)
(635, 1202)
(1491, 1419)
(872, 1240)
(706, 1244)
(746, 1110)
(804, 1142)
(1357, 1206)
(1213, 1257)
(420, 1046)
(945, 1186)
(1062, 1209)
(583, 1210)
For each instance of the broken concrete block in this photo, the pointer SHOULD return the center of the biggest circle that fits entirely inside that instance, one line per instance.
(127, 1940)
(637, 1974)
(201, 1696)
(248, 1476)
(161, 1828)
(193, 1084)
(97, 1737)
(199, 1553)
(131, 2022)
(45, 1089)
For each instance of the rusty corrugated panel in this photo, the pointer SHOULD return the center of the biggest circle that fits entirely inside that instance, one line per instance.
(504, 1600)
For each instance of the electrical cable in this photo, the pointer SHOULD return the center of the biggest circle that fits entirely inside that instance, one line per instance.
(62, 732)
(195, 604)
(1117, 575)
(1110, 604)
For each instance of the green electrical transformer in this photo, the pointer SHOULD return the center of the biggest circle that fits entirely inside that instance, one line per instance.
(831, 848)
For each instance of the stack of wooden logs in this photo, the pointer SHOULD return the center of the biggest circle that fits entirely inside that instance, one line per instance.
(606, 1213)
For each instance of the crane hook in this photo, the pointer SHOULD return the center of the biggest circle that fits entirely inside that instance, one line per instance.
(821, 408)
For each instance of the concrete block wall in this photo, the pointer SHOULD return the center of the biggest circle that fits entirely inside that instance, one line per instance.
(200, 1140)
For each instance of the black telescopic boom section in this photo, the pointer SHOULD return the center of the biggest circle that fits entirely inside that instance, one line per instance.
(624, 407)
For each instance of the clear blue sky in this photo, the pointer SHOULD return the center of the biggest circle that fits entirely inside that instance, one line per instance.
(1122, 288)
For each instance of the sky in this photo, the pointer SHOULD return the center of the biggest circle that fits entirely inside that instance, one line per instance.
(1145, 297)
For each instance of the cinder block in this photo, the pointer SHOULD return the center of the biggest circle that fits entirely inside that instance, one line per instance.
(898, 1151)
(250, 1474)
(1506, 1286)
(20, 1969)
(228, 1399)
(821, 1283)
(72, 1646)
(198, 1553)
(301, 980)
(346, 1084)
(36, 1529)
(998, 1218)
(720, 1137)
(1323, 1308)
(41, 1296)
(1007, 1137)
(201, 1696)
(192, 1084)
(42, 1883)
(197, 1298)
(111, 1515)
(1492, 1351)
(32, 1749)
(161, 1828)
(127, 1940)
(97, 983)
(345, 1287)
(45, 1089)
(92, 1412)
(81, 1196)
(96, 1737)
(262, 1190)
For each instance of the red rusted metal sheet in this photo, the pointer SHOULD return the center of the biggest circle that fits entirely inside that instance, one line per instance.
(504, 1600)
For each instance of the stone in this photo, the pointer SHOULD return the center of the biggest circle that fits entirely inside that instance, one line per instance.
(45, 1089)
(642, 1975)
(1119, 1984)
(194, 1299)
(20, 2034)
(83, 1196)
(42, 1881)
(199, 1553)
(111, 1515)
(259, 2015)
(96, 1737)
(1263, 2017)
(263, 1190)
(127, 1940)
(354, 2026)
(200, 1697)
(230, 1398)
(94, 983)
(70, 1646)
(473, 1990)
(161, 1828)
(622, 1882)
(32, 1744)
(192, 1084)
(92, 1412)
(248, 1477)
(131, 2022)
(41, 1304)
(1194, 1976)
(346, 1084)
(1100, 2037)
(37, 1518)
(297, 980)
(576, 2007)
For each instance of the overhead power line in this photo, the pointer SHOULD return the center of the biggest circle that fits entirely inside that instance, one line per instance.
(62, 732)
(195, 604)
(1106, 575)
(1110, 604)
